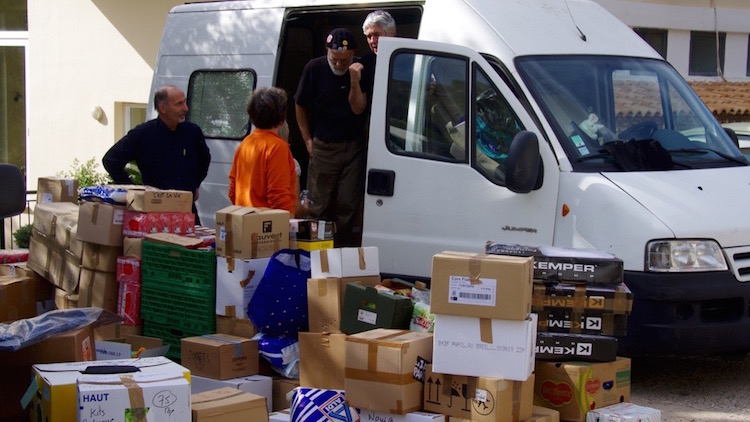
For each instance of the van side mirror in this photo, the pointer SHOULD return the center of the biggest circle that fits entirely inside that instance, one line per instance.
(733, 136)
(523, 167)
(12, 191)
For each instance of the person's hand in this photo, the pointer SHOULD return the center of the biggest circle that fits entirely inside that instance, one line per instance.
(355, 72)
(308, 145)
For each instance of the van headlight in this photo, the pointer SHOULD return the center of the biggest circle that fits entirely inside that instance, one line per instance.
(684, 256)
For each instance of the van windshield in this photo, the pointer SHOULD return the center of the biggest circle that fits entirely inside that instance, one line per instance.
(626, 114)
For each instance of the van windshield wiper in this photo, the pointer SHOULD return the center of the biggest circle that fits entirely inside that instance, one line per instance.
(727, 157)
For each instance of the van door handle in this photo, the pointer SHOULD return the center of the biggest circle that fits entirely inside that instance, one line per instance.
(380, 182)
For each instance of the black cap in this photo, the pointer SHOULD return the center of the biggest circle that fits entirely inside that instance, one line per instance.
(341, 39)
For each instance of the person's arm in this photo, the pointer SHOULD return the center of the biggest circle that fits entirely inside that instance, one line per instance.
(204, 161)
(303, 121)
(118, 156)
(357, 98)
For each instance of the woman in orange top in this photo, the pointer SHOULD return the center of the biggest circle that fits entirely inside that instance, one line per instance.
(262, 173)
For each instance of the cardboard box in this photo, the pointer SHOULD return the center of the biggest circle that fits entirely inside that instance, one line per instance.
(129, 303)
(321, 360)
(142, 224)
(580, 347)
(128, 269)
(624, 412)
(543, 414)
(574, 388)
(380, 369)
(56, 225)
(61, 270)
(132, 246)
(158, 200)
(366, 308)
(310, 245)
(369, 415)
(130, 346)
(576, 321)
(479, 399)
(235, 326)
(164, 397)
(100, 257)
(282, 391)
(484, 286)
(56, 189)
(100, 223)
(615, 299)
(479, 347)
(236, 281)
(325, 301)
(344, 262)
(98, 289)
(281, 415)
(228, 405)
(17, 298)
(220, 356)
(247, 232)
(44, 291)
(554, 263)
(56, 384)
(307, 229)
(256, 384)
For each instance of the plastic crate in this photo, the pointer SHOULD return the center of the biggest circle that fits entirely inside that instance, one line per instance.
(178, 268)
(170, 335)
(179, 309)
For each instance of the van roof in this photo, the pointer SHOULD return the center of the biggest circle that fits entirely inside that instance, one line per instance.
(527, 27)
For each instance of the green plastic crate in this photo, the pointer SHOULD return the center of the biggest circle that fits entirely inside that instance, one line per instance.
(182, 269)
(179, 309)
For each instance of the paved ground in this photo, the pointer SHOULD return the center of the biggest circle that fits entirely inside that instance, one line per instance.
(694, 389)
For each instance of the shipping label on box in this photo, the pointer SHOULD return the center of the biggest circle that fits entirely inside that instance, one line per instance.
(479, 399)
(574, 388)
(247, 232)
(100, 223)
(344, 262)
(158, 200)
(366, 308)
(220, 356)
(616, 299)
(325, 301)
(255, 384)
(478, 347)
(236, 281)
(478, 285)
(56, 189)
(580, 347)
(385, 369)
(228, 404)
(553, 263)
(134, 397)
(322, 359)
(128, 346)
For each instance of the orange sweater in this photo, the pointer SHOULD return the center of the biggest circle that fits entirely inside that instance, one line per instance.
(262, 173)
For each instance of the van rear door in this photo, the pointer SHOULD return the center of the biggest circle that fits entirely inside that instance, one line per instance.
(441, 124)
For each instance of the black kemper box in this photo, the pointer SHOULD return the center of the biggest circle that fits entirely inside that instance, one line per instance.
(580, 347)
(603, 299)
(552, 263)
(582, 322)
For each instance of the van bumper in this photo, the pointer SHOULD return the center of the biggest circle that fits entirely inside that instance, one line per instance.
(687, 313)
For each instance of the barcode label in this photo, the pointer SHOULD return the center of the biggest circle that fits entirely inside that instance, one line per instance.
(483, 292)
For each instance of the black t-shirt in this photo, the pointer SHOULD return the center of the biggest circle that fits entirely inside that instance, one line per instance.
(326, 97)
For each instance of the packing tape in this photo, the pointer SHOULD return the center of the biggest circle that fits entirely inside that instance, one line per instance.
(475, 269)
(383, 377)
(236, 343)
(579, 296)
(621, 302)
(485, 330)
(362, 261)
(372, 357)
(576, 320)
(245, 281)
(322, 286)
(135, 394)
(517, 387)
(230, 311)
(324, 266)
(230, 265)
(228, 235)
(254, 245)
(94, 212)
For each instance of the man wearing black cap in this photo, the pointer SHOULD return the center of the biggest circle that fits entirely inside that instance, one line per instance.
(329, 108)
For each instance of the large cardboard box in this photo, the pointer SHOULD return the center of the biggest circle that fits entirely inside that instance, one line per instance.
(99, 289)
(580, 347)
(44, 291)
(56, 189)
(54, 384)
(100, 223)
(220, 356)
(157, 397)
(321, 360)
(574, 388)
(17, 298)
(282, 390)
(100, 257)
(236, 281)
(228, 405)
(479, 285)
(480, 399)
(479, 347)
(344, 262)
(56, 225)
(554, 263)
(130, 346)
(256, 384)
(543, 414)
(380, 369)
(144, 199)
(57, 267)
(366, 308)
(247, 232)
(325, 301)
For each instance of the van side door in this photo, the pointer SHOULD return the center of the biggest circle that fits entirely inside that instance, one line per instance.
(441, 124)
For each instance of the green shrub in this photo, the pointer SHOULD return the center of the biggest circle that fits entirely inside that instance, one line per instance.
(87, 174)
(22, 236)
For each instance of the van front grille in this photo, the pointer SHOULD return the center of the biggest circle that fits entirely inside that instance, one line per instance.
(739, 262)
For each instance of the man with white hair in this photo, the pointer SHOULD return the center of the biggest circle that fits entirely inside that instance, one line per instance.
(329, 106)
(377, 24)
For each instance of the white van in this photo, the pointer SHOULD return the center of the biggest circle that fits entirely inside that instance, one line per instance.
(537, 122)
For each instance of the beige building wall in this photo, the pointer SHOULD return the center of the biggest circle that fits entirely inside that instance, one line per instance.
(82, 54)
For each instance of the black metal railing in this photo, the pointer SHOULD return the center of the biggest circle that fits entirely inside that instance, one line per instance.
(18, 221)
